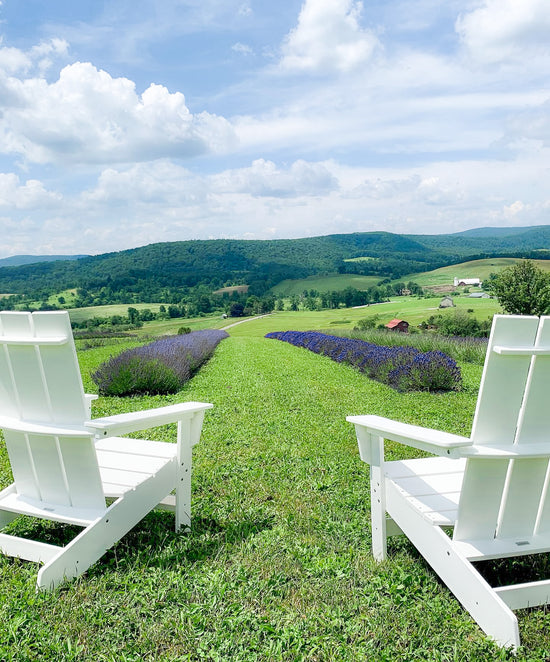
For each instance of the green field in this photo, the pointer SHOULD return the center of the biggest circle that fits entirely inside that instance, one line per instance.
(443, 276)
(332, 283)
(278, 565)
(475, 269)
(82, 314)
(411, 309)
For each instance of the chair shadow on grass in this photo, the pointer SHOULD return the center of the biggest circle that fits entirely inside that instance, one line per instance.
(153, 541)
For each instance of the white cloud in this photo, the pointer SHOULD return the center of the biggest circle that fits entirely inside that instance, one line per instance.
(328, 38)
(87, 116)
(30, 195)
(265, 179)
(498, 30)
(242, 48)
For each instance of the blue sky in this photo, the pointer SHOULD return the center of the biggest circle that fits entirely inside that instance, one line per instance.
(126, 123)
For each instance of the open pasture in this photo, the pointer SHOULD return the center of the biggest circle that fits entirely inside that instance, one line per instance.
(474, 269)
(331, 283)
(82, 314)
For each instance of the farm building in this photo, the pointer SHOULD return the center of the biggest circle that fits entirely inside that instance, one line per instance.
(466, 282)
(479, 295)
(398, 325)
(447, 302)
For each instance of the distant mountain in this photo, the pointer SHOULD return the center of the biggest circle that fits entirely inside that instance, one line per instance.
(18, 260)
(488, 241)
(496, 232)
(166, 271)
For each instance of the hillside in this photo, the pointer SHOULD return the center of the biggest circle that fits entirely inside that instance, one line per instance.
(166, 271)
(488, 241)
(18, 260)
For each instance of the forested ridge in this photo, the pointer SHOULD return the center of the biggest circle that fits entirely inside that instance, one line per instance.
(162, 271)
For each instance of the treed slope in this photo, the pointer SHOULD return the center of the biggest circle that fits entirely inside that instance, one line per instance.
(157, 270)
(188, 263)
(488, 241)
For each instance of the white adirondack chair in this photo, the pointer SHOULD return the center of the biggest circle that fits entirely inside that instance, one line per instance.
(492, 489)
(65, 465)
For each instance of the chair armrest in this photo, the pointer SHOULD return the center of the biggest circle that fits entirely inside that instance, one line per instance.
(111, 426)
(88, 399)
(426, 439)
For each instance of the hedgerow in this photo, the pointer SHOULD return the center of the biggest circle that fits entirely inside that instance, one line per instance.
(404, 368)
(160, 367)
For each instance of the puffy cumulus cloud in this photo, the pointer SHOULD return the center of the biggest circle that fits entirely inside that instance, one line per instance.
(498, 30)
(30, 195)
(264, 179)
(41, 56)
(86, 116)
(328, 38)
(159, 183)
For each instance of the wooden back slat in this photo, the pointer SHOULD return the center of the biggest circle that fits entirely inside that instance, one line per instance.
(40, 383)
(503, 381)
(505, 498)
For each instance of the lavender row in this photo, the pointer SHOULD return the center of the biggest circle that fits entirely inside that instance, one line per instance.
(403, 368)
(162, 366)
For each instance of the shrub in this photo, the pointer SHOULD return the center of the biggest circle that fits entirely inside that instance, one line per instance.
(162, 366)
(404, 368)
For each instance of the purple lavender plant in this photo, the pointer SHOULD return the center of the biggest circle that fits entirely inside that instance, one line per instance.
(162, 366)
(404, 368)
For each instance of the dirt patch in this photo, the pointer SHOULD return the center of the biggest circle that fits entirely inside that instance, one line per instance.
(440, 289)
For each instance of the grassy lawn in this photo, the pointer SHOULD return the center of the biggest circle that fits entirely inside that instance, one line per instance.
(278, 564)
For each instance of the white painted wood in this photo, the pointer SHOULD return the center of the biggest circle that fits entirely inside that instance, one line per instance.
(29, 550)
(120, 517)
(432, 441)
(503, 381)
(480, 500)
(183, 486)
(378, 499)
(141, 420)
(497, 496)
(521, 596)
(65, 465)
(472, 591)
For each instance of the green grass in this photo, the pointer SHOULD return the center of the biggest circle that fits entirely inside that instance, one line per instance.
(443, 276)
(331, 283)
(278, 565)
(82, 314)
(411, 309)
(473, 269)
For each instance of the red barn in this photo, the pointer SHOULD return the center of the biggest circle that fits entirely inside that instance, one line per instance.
(398, 325)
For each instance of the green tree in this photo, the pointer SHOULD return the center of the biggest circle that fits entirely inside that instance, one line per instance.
(523, 289)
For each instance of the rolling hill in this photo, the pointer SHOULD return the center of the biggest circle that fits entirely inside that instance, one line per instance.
(162, 272)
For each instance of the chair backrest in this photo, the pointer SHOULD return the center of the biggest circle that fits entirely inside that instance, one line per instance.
(40, 385)
(503, 498)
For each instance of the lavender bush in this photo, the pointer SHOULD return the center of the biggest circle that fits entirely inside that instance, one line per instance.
(404, 368)
(162, 366)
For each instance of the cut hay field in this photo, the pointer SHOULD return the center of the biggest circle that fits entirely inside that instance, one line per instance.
(82, 314)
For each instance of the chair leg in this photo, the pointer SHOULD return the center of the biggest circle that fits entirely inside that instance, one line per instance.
(490, 612)
(121, 516)
(378, 501)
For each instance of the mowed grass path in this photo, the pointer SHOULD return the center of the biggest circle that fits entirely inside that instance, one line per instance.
(278, 564)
